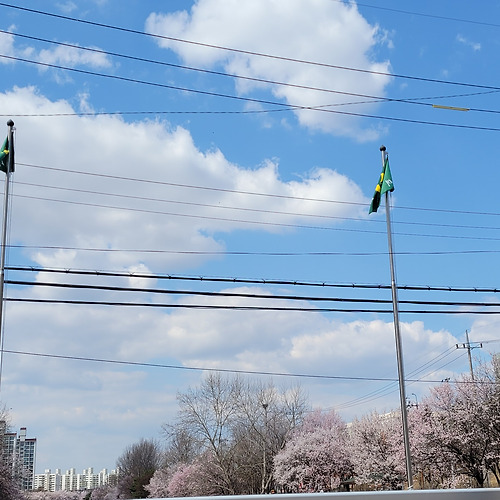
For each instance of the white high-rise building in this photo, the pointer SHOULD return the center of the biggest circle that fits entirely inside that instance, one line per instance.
(48, 481)
(72, 481)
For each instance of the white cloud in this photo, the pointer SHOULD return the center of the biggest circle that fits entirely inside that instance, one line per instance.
(326, 32)
(7, 46)
(475, 46)
(148, 150)
(60, 55)
(67, 7)
(73, 56)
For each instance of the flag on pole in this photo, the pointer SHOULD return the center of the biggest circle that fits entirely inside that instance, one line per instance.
(384, 184)
(4, 156)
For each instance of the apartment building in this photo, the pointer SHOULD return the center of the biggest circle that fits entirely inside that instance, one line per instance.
(73, 481)
(48, 481)
(19, 452)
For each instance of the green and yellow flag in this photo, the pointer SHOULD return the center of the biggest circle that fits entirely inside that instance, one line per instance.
(4, 156)
(384, 184)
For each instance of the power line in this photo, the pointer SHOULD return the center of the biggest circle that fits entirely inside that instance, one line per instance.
(217, 73)
(253, 100)
(260, 222)
(245, 253)
(190, 203)
(422, 14)
(224, 294)
(136, 180)
(223, 370)
(392, 387)
(224, 219)
(241, 51)
(372, 98)
(242, 209)
(228, 370)
(153, 84)
(260, 281)
(187, 186)
(246, 308)
(285, 108)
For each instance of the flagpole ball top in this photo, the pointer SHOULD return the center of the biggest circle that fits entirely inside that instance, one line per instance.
(10, 123)
(382, 148)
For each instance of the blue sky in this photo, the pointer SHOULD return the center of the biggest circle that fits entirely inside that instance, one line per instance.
(151, 155)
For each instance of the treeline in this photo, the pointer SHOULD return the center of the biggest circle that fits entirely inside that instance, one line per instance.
(233, 436)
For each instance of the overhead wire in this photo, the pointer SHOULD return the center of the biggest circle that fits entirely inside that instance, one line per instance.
(247, 281)
(260, 222)
(241, 51)
(423, 14)
(218, 73)
(372, 98)
(250, 99)
(245, 253)
(135, 180)
(388, 389)
(393, 387)
(246, 295)
(242, 209)
(248, 209)
(228, 96)
(226, 307)
(211, 369)
(230, 370)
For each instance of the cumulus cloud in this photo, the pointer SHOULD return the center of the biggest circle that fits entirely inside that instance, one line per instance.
(141, 203)
(327, 32)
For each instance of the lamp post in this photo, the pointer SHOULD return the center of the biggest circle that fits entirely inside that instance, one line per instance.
(264, 457)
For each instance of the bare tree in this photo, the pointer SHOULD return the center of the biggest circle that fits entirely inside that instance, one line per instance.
(267, 416)
(208, 413)
(137, 465)
(182, 446)
(238, 426)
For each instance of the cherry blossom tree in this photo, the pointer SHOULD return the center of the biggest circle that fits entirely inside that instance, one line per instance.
(434, 466)
(316, 457)
(55, 495)
(107, 492)
(158, 485)
(8, 487)
(377, 450)
(462, 422)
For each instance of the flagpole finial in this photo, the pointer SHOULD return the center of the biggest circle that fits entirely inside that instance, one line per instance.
(382, 148)
(10, 123)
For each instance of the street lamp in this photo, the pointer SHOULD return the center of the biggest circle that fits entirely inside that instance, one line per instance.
(264, 465)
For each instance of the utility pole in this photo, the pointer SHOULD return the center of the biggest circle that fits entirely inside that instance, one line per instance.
(469, 346)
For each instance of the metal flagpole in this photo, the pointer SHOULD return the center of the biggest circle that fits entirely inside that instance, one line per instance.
(399, 351)
(9, 170)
